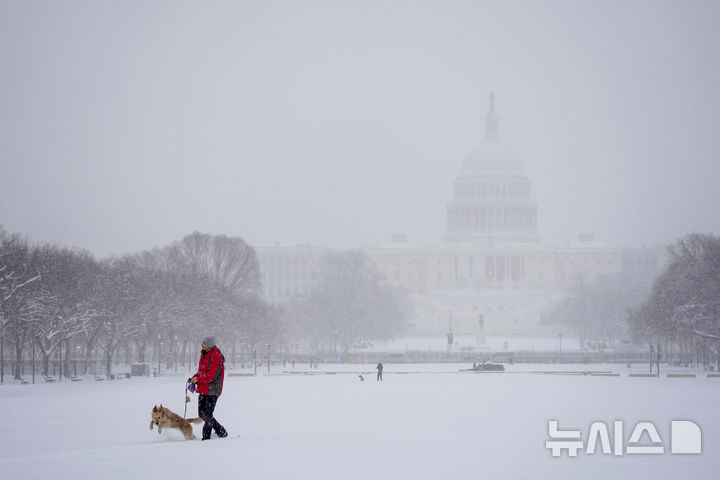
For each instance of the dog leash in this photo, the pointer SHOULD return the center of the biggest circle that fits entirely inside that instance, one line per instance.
(187, 399)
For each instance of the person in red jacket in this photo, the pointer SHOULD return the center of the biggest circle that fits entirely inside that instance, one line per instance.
(209, 380)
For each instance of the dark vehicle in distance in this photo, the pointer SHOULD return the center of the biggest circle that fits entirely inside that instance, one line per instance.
(486, 367)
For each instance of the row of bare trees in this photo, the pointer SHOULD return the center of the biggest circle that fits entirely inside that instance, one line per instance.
(596, 312)
(683, 307)
(350, 304)
(678, 308)
(57, 298)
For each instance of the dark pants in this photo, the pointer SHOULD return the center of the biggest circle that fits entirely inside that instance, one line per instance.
(379, 379)
(206, 407)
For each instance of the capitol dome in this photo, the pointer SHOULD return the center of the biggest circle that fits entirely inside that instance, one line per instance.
(492, 200)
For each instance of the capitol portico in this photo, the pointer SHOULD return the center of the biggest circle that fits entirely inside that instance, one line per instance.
(491, 275)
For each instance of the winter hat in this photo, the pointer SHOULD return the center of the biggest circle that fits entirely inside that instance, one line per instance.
(209, 341)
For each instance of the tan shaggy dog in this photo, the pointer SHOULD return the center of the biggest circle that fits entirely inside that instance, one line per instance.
(163, 417)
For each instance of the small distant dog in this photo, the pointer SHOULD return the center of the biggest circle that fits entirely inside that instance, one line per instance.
(362, 379)
(163, 417)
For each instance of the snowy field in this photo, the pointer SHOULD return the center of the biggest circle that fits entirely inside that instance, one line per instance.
(430, 424)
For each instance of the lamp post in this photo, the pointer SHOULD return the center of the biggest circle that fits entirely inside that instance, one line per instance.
(560, 336)
(159, 344)
(286, 354)
(108, 355)
(33, 360)
(144, 345)
(652, 350)
(449, 335)
(60, 318)
(254, 359)
(175, 347)
(2, 348)
(267, 349)
(77, 352)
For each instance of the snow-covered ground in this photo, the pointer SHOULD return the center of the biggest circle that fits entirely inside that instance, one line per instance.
(432, 423)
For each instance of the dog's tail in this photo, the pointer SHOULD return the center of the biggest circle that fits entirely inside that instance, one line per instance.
(195, 420)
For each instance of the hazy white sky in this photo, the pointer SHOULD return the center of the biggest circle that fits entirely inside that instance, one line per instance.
(126, 125)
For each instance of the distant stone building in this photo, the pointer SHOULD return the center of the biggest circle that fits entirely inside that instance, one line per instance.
(288, 272)
(491, 275)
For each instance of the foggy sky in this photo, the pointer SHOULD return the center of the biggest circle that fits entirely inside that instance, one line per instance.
(126, 125)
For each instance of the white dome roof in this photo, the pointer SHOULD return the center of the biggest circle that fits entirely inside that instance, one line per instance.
(492, 158)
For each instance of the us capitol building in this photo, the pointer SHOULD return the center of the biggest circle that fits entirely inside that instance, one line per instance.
(491, 275)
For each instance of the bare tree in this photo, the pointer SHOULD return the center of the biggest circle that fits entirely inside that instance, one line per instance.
(17, 276)
(65, 300)
(229, 261)
(351, 302)
(120, 290)
(597, 311)
(210, 284)
(683, 306)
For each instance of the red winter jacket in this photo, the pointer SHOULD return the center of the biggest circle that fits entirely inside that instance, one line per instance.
(211, 372)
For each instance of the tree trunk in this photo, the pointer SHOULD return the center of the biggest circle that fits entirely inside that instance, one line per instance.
(108, 362)
(66, 360)
(18, 361)
(45, 363)
(88, 356)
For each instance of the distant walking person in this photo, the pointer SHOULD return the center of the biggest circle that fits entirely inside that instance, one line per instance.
(379, 369)
(209, 379)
